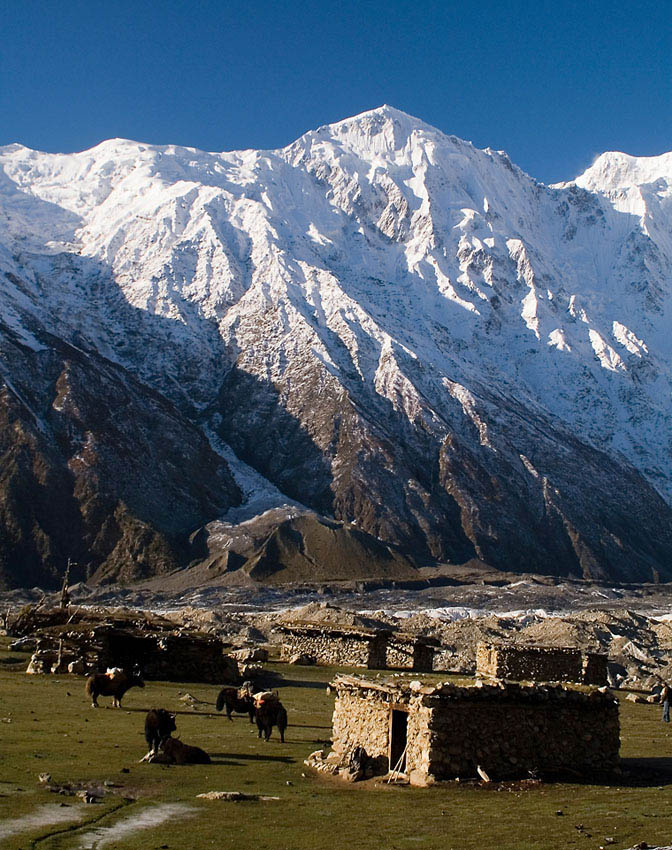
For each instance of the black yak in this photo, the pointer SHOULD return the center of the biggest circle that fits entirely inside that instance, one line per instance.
(270, 712)
(159, 723)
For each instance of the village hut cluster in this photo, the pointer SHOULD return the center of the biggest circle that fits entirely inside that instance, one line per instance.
(87, 642)
(532, 711)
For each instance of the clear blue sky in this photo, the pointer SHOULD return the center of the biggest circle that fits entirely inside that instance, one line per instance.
(554, 84)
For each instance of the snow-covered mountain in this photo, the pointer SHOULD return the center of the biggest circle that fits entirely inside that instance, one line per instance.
(379, 322)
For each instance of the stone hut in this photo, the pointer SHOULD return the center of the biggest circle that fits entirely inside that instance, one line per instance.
(410, 652)
(168, 655)
(495, 731)
(540, 663)
(375, 649)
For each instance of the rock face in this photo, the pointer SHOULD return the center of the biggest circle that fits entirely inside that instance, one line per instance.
(97, 467)
(379, 323)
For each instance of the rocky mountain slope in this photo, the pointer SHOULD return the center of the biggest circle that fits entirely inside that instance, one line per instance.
(379, 323)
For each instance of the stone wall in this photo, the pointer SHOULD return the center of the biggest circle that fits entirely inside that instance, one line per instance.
(540, 664)
(378, 650)
(445, 660)
(595, 668)
(331, 647)
(409, 653)
(505, 729)
(170, 656)
(362, 719)
(511, 731)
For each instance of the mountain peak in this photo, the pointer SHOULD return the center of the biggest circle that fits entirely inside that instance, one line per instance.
(382, 130)
(617, 170)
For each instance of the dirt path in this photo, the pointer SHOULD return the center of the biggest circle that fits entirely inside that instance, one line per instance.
(51, 814)
(154, 815)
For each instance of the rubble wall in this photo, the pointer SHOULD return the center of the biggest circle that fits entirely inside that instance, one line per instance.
(168, 657)
(595, 668)
(445, 660)
(362, 720)
(512, 736)
(540, 664)
(399, 655)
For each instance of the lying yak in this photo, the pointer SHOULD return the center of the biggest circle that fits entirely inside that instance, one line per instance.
(240, 701)
(270, 712)
(159, 723)
(173, 751)
(113, 684)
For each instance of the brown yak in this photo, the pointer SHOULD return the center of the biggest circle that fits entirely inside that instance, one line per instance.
(175, 752)
(113, 684)
(239, 700)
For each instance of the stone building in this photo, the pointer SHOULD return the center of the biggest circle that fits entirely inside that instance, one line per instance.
(496, 731)
(540, 663)
(410, 652)
(375, 649)
(168, 655)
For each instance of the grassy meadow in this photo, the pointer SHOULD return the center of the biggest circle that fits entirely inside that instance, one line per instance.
(47, 725)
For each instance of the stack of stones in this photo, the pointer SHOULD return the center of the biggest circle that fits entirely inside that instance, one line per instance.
(410, 652)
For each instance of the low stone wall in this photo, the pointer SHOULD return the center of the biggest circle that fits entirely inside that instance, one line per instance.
(498, 731)
(361, 719)
(332, 647)
(540, 664)
(445, 661)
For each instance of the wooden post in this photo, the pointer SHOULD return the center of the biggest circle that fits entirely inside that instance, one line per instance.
(65, 598)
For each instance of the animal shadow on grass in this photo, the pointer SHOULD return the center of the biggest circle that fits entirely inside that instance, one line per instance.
(250, 757)
(634, 773)
(299, 683)
(270, 679)
(179, 711)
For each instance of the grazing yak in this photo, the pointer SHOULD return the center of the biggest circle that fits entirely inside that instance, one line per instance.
(113, 684)
(270, 712)
(174, 751)
(159, 723)
(240, 701)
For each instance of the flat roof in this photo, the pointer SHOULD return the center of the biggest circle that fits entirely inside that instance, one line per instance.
(404, 690)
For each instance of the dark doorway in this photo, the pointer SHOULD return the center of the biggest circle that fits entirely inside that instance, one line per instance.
(398, 737)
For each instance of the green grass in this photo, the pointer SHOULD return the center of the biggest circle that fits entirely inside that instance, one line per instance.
(53, 729)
